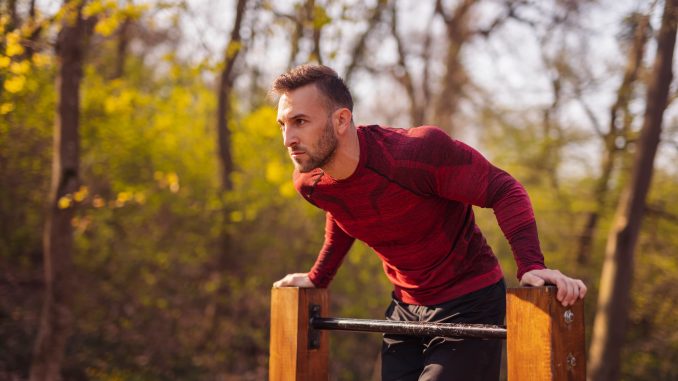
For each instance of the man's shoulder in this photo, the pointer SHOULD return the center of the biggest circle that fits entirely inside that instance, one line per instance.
(420, 144)
(412, 135)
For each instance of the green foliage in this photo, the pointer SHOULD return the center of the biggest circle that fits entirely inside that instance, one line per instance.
(651, 346)
(27, 105)
(25, 149)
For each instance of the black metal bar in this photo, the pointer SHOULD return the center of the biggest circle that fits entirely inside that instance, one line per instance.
(481, 331)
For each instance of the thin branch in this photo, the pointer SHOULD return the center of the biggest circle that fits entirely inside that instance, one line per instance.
(441, 11)
(404, 76)
(595, 122)
(509, 14)
(658, 211)
(359, 48)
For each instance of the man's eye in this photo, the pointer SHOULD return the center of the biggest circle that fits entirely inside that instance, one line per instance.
(301, 121)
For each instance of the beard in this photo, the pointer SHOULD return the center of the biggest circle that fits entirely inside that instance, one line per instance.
(319, 154)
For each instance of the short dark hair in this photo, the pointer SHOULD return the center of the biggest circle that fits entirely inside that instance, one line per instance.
(325, 79)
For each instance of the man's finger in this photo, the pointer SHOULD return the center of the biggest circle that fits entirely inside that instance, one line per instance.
(582, 289)
(532, 280)
(576, 291)
(282, 282)
(572, 292)
(564, 290)
(561, 285)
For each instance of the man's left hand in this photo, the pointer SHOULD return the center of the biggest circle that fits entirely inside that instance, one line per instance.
(569, 289)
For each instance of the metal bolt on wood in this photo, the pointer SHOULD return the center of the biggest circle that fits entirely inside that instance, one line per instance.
(571, 361)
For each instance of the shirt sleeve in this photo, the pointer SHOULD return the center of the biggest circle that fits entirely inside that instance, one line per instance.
(466, 176)
(337, 244)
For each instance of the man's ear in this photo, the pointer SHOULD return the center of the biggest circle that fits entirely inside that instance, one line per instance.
(342, 120)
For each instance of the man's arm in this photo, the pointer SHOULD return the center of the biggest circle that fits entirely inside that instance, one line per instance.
(337, 243)
(511, 203)
(472, 179)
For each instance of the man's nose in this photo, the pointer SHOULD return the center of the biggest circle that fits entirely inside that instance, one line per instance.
(289, 137)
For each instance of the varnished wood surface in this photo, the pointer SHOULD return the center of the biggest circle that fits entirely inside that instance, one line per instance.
(569, 354)
(528, 335)
(541, 344)
(290, 356)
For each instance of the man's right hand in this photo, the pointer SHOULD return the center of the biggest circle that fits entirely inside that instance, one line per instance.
(295, 280)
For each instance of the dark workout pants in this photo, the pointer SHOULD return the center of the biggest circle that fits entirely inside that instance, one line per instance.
(406, 358)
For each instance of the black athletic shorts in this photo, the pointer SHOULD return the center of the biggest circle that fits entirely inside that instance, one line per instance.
(406, 358)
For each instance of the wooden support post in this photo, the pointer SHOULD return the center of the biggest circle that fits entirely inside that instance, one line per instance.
(291, 355)
(545, 341)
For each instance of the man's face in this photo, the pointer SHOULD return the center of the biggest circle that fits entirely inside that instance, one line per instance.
(307, 129)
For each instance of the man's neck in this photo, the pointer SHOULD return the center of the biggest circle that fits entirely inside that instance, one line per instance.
(346, 157)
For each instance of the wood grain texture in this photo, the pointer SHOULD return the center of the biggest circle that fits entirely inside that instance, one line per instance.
(528, 336)
(541, 344)
(569, 353)
(290, 356)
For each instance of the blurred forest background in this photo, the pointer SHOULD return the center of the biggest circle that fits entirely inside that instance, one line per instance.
(146, 203)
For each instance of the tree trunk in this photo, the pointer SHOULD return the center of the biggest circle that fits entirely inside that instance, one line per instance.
(458, 33)
(14, 21)
(123, 44)
(56, 317)
(306, 21)
(615, 284)
(296, 37)
(224, 93)
(222, 260)
(359, 48)
(36, 29)
(402, 74)
(610, 138)
(316, 30)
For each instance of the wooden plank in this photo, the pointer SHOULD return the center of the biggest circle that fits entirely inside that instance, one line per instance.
(542, 344)
(569, 352)
(291, 359)
(283, 342)
(528, 334)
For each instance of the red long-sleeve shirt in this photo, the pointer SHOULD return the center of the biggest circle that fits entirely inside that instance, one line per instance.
(410, 199)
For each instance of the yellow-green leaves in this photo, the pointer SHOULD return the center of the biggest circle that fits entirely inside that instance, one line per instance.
(15, 83)
(12, 67)
(6, 108)
(110, 15)
(13, 45)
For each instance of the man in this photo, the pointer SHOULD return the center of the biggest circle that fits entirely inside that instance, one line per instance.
(408, 194)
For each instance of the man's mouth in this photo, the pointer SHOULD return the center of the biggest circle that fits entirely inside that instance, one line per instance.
(296, 153)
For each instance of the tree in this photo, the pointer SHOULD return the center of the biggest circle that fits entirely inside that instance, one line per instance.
(224, 136)
(619, 127)
(358, 51)
(403, 75)
(56, 317)
(458, 34)
(615, 285)
(226, 80)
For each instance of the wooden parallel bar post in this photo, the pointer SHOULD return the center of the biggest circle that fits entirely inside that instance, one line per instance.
(292, 358)
(545, 341)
